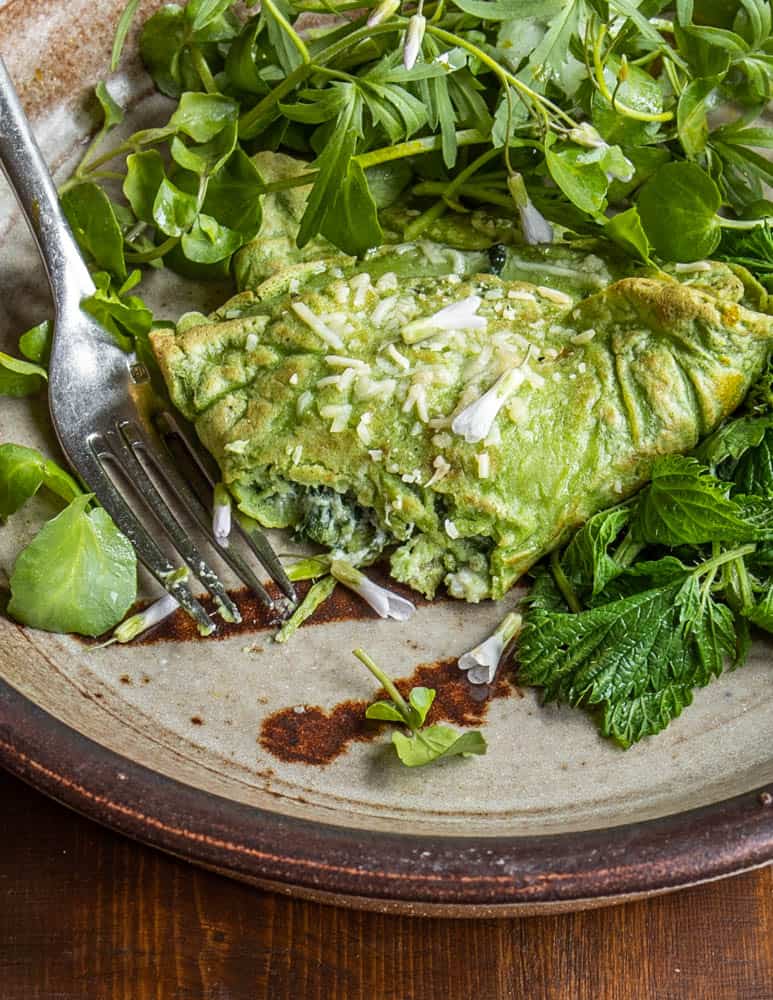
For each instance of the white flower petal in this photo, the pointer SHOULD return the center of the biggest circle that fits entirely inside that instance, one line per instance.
(535, 227)
(143, 620)
(475, 421)
(481, 662)
(413, 39)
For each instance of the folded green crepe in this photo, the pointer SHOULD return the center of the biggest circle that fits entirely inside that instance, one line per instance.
(470, 421)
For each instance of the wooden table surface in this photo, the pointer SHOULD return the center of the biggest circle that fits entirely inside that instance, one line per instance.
(86, 914)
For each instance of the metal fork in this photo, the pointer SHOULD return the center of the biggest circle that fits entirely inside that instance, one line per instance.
(110, 425)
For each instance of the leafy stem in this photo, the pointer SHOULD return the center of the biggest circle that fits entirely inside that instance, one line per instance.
(563, 584)
(146, 256)
(202, 68)
(601, 83)
(387, 683)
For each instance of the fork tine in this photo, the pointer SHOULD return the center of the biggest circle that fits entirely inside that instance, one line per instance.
(92, 471)
(169, 426)
(122, 442)
(196, 508)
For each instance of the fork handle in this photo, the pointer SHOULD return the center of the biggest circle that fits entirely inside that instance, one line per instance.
(28, 175)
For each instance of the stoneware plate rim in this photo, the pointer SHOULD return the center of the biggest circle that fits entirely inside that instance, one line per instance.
(461, 875)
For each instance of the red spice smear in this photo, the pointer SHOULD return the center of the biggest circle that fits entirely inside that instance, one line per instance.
(316, 736)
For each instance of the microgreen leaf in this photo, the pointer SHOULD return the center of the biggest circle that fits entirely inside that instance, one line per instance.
(144, 176)
(436, 743)
(19, 378)
(208, 157)
(174, 211)
(208, 242)
(203, 116)
(35, 343)
(678, 207)
(23, 471)
(625, 229)
(112, 112)
(79, 573)
(95, 226)
(584, 184)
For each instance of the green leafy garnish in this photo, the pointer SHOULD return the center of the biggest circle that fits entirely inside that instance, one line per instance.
(79, 573)
(20, 378)
(426, 744)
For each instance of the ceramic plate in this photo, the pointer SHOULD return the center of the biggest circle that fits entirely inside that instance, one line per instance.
(253, 758)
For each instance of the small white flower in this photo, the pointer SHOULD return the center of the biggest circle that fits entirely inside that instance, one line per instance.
(534, 226)
(460, 315)
(413, 39)
(586, 135)
(383, 11)
(221, 515)
(383, 601)
(143, 620)
(481, 663)
(475, 421)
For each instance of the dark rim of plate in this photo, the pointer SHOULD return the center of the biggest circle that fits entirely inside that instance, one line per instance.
(396, 870)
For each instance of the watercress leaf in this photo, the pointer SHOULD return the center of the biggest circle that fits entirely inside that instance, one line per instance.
(586, 559)
(118, 315)
(420, 699)
(95, 226)
(144, 176)
(695, 102)
(387, 711)
(678, 207)
(176, 261)
(112, 113)
(625, 229)
(436, 743)
(200, 13)
(162, 40)
(21, 475)
(208, 241)
(585, 185)
(174, 211)
(35, 343)
(234, 195)
(686, 505)
(19, 378)
(351, 221)
(79, 573)
(244, 59)
(202, 116)
(208, 157)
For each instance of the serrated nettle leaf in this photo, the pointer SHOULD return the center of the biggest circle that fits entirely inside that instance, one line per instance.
(754, 473)
(35, 343)
(625, 229)
(436, 743)
(18, 377)
(144, 176)
(678, 209)
(79, 573)
(202, 116)
(631, 719)
(112, 112)
(586, 560)
(686, 505)
(585, 185)
(732, 440)
(208, 242)
(94, 224)
(761, 613)
(174, 211)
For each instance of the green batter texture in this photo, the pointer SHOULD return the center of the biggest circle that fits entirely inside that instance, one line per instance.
(337, 401)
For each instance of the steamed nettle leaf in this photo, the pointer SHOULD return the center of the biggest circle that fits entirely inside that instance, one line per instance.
(79, 573)
(586, 560)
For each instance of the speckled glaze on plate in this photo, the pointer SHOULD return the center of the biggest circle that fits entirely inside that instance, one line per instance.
(203, 747)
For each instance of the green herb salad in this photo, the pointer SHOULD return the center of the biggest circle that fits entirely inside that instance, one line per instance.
(501, 312)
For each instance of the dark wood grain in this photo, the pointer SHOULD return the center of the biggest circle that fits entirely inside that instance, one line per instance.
(87, 914)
